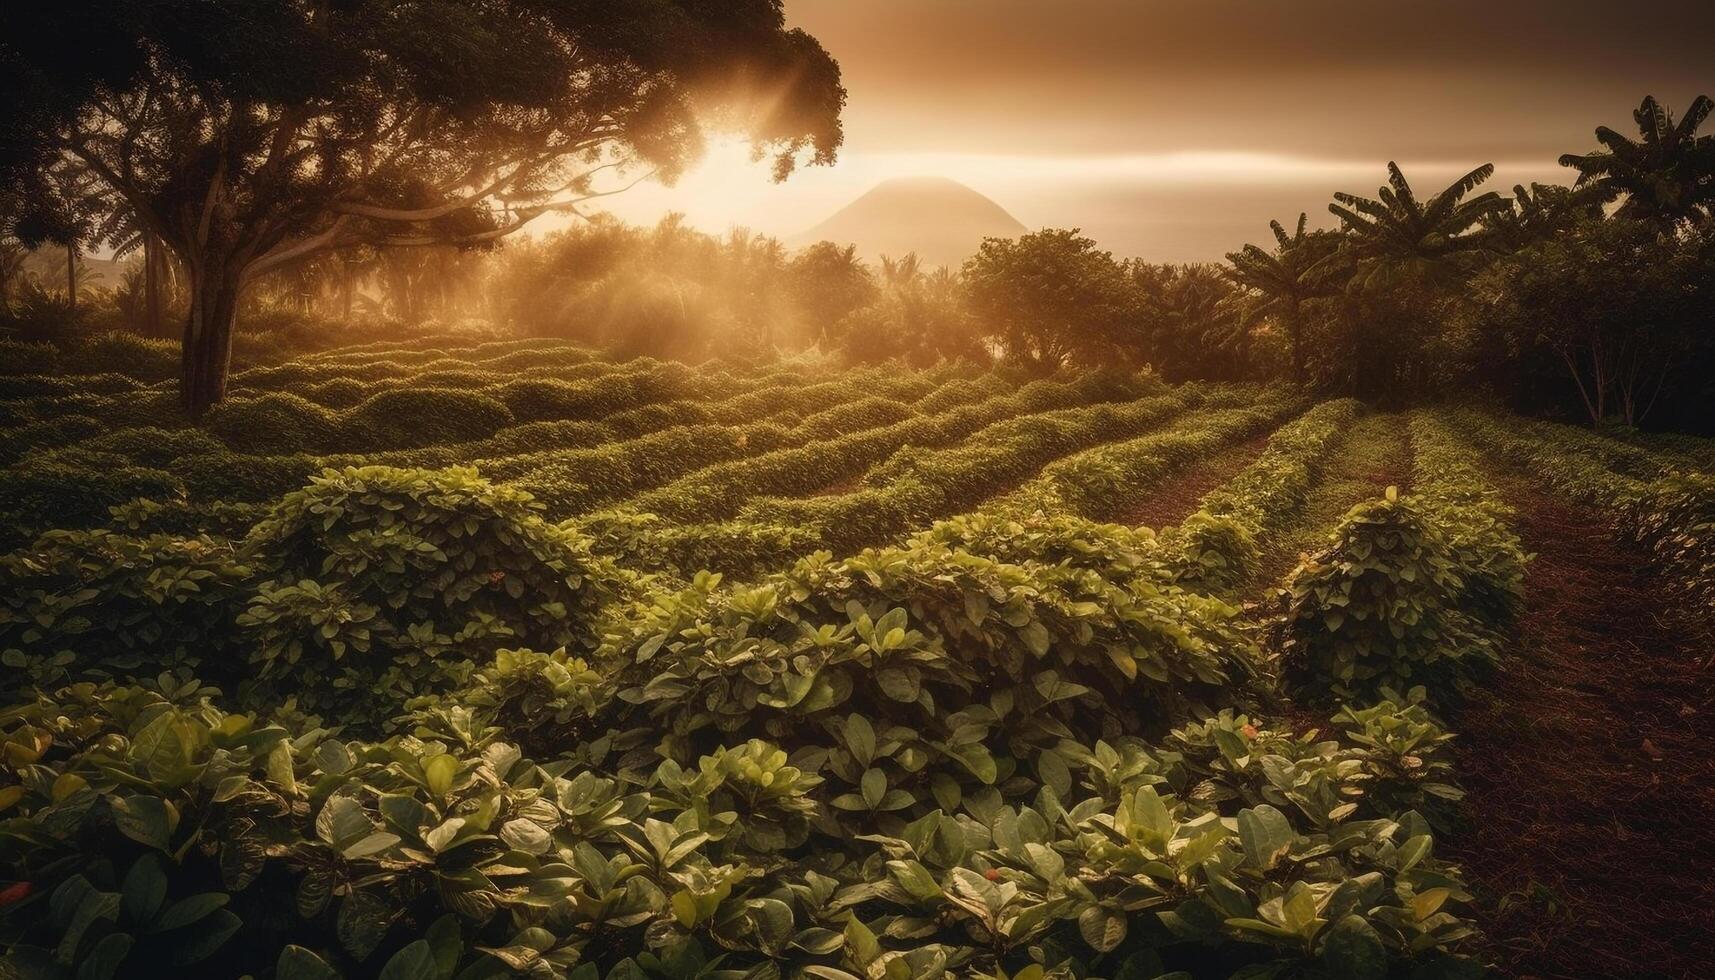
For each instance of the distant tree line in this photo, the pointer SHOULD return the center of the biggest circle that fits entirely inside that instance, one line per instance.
(1595, 300)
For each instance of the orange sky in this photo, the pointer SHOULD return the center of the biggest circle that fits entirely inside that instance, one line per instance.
(1173, 129)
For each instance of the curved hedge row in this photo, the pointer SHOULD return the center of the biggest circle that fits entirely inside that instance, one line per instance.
(916, 487)
(1411, 589)
(1105, 482)
(1671, 513)
(575, 481)
(1215, 548)
(719, 492)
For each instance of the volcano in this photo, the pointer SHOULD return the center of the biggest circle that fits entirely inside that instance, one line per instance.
(942, 220)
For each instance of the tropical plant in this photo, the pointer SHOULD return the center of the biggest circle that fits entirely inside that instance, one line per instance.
(1279, 282)
(1666, 176)
(1396, 236)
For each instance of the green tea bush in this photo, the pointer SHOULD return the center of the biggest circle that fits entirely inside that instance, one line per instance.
(129, 354)
(971, 669)
(276, 423)
(336, 393)
(914, 487)
(44, 496)
(1381, 607)
(721, 492)
(381, 584)
(122, 604)
(20, 386)
(1451, 484)
(1676, 519)
(28, 357)
(1105, 482)
(230, 477)
(1215, 548)
(408, 417)
(46, 434)
(150, 446)
(1671, 513)
(1119, 552)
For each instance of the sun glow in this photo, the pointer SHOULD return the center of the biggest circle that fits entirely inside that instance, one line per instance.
(729, 188)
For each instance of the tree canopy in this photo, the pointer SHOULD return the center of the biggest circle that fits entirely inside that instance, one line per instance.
(250, 135)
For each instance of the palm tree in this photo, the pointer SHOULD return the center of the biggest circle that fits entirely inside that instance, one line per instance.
(1396, 235)
(1667, 176)
(1278, 283)
(1542, 211)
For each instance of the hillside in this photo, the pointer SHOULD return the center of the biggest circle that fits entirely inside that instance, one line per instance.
(942, 220)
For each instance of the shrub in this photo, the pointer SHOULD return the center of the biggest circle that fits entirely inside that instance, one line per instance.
(337, 393)
(969, 670)
(408, 417)
(383, 583)
(122, 604)
(24, 357)
(1675, 518)
(150, 446)
(230, 477)
(129, 354)
(1380, 607)
(1215, 548)
(271, 424)
(47, 434)
(42, 496)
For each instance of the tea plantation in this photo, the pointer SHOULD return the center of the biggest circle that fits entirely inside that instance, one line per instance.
(437, 659)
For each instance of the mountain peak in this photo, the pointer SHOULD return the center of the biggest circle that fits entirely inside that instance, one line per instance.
(940, 219)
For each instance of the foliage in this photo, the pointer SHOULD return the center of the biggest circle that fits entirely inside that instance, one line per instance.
(1611, 305)
(156, 820)
(1665, 178)
(1215, 548)
(1380, 607)
(1050, 298)
(121, 604)
(379, 583)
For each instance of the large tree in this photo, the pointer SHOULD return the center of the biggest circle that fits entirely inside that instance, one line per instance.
(1666, 176)
(247, 135)
(1051, 298)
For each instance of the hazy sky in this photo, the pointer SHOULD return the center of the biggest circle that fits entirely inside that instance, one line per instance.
(1173, 129)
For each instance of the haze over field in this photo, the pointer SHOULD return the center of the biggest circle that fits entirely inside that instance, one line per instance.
(1167, 130)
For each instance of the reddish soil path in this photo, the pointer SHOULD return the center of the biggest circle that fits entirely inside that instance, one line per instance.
(1374, 454)
(1591, 807)
(1177, 497)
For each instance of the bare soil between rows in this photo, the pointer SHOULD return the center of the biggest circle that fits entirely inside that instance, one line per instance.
(1178, 496)
(1591, 810)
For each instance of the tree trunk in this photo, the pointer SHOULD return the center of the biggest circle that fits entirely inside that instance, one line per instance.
(71, 277)
(151, 287)
(345, 290)
(208, 340)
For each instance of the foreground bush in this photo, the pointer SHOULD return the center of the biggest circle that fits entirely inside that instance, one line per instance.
(149, 829)
(383, 583)
(1381, 607)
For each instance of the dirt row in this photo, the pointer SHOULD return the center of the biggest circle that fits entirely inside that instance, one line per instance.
(1588, 833)
(1591, 784)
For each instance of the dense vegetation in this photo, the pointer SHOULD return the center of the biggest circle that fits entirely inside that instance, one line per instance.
(417, 660)
(1586, 301)
(639, 603)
